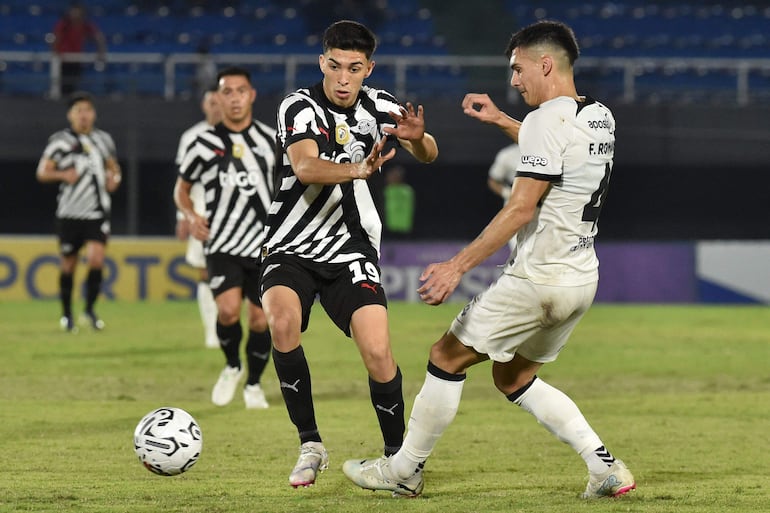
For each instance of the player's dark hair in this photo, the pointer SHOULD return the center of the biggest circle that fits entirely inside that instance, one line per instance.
(79, 96)
(349, 35)
(234, 71)
(553, 33)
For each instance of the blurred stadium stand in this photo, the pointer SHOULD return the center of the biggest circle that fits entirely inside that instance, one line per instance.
(633, 51)
(688, 82)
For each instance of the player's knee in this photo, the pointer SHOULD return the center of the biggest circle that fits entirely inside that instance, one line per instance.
(228, 316)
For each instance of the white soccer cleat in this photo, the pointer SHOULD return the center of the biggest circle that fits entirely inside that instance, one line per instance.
(313, 459)
(67, 324)
(254, 397)
(617, 480)
(90, 318)
(224, 389)
(376, 475)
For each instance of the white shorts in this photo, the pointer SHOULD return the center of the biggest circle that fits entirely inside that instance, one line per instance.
(195, 256)
(515, 315)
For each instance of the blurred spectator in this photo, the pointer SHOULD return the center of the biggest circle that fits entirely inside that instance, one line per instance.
(205, 70)
(71, 33)
(399, 204)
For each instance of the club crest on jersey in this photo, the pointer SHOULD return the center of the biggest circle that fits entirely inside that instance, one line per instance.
(342, 133)
(86, 148)
(237, 151)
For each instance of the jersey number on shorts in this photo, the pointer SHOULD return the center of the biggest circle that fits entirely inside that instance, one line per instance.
(594, 207)
(357, 270)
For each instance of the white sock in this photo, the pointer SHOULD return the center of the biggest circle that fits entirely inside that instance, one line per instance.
(561, 416)
(208, 309)
(434, 409)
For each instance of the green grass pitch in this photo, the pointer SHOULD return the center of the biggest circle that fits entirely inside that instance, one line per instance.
(681, 393)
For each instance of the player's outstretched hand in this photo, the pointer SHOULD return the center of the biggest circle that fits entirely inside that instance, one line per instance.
(410, 123)
(439, 281)
(481, 107)
(373, 161)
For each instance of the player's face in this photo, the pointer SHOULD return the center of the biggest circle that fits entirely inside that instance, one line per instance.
(235, 97)
(344, 73)
(82, 116)
(211, 108)
(527, 76)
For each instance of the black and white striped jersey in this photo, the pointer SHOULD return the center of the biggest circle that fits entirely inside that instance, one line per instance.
(328, 223)
(237, 171)
(88, 197)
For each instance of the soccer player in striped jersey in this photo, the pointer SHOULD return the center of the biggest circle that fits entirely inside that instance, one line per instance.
(195, 256)
(323, 231)
(524, 319)
(83, 161)
(235, 163)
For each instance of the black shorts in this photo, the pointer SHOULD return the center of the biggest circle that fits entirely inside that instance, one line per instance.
(228, 271)
(342, 288)
(74, 233)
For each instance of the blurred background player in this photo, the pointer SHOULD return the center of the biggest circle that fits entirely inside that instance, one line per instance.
(323, 235)
(399, 204)
(71, 33)
(501, 175)
(82, 159)
(195, 256)
(235, 163)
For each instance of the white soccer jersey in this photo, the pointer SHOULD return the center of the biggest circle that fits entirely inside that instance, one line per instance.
(236, 170)
(88, 197)
(503, 169)
(570, 144)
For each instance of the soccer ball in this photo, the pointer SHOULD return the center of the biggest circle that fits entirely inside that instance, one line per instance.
(168, 441)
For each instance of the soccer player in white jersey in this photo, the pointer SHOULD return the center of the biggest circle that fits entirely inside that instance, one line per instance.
(83, 161)
(502, 173)
(195, 256)
(235, 163)
(524, 319)
(323, 231)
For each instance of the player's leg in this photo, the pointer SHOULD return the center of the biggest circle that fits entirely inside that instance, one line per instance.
(258, 345)
(70, 242)
(68, 265)
(95, 250)
(369, 329)
(434, 409)
(230, 333)
(287, 312)
(551, 407)
(206, 304)
(207, 307)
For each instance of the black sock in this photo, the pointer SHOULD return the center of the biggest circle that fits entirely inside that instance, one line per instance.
(388, 401)
(93, 285)
(257, 355)
(230, 342)
(296, 388)
(65, 293)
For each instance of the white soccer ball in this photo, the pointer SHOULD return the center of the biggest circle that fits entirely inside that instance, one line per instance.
(168, 441)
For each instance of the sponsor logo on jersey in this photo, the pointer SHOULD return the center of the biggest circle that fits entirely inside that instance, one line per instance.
(600, 124)
(534, 160)
(364, 126)
(342, 133)
(246, 181)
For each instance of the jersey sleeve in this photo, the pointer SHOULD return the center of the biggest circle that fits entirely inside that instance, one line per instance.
(298, 119)
(542, 141)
